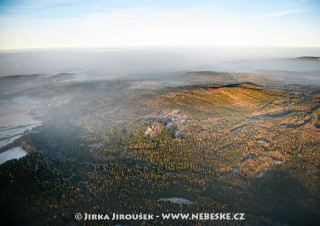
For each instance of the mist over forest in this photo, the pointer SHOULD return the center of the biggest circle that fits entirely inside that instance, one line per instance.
(157, 63)
(194, 112)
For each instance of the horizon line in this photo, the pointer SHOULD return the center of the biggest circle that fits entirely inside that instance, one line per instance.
(148, 47)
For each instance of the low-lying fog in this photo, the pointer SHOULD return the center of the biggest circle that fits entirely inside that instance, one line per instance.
(50, 79)
(148, 63)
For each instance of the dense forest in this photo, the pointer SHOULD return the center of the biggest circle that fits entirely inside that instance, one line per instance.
(227, 148)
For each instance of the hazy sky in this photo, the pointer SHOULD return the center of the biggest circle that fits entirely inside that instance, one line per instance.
(142, 23)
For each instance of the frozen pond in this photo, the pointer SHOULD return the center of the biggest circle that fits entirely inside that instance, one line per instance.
(263, 141)
(177, 201)
(13, 153)
(14, 125)
(7, 140)
(96, 145)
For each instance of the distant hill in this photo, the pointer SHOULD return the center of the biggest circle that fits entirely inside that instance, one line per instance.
(308, 58)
